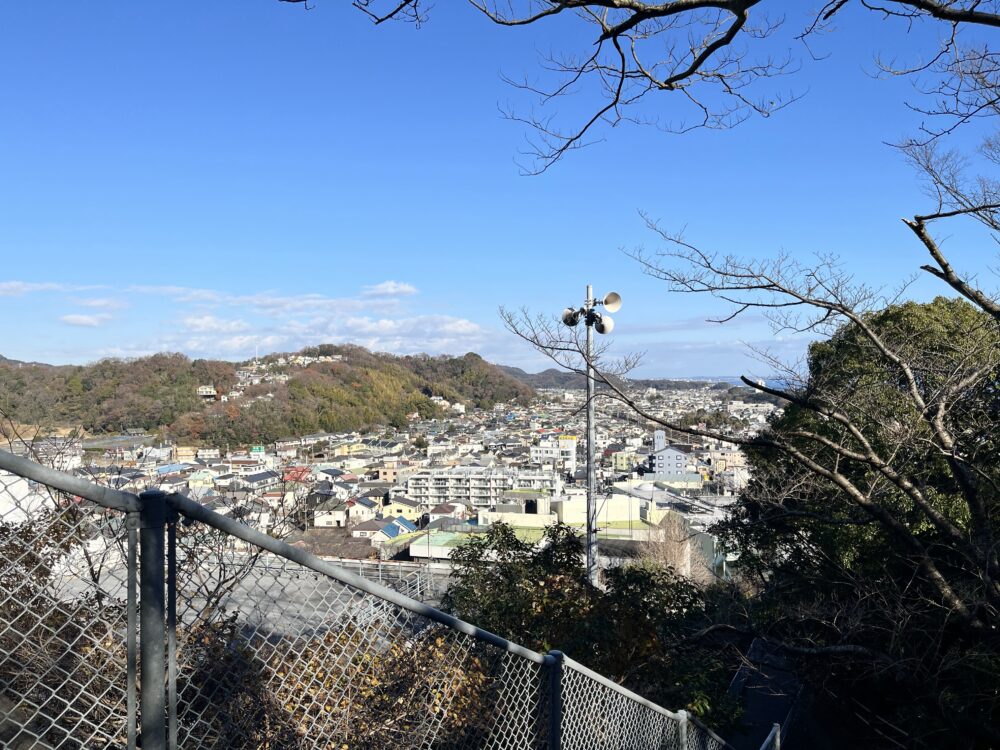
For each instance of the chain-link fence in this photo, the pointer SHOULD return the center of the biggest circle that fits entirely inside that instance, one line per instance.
(65, 666)
(598, 713)
(247, 642)
(272, 654)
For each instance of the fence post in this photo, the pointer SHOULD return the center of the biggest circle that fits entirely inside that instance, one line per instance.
(132, 524)
(554, 660)
(682, 728)
(172, 518)
(153, 519)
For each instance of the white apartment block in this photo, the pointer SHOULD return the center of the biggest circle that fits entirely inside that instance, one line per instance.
(670, 460)
(479, 486)
(559, 453)
(667, 459)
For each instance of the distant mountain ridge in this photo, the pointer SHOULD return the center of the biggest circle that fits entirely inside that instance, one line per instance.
(18, 363)
(554, 378)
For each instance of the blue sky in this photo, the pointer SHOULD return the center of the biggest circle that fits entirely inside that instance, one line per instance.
(229, 175)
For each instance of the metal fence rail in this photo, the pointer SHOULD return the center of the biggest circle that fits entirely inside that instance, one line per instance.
(247, 642)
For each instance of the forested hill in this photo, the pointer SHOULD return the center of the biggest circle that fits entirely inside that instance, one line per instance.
(359, 390)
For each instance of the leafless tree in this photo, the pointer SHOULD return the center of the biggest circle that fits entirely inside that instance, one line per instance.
(716, 57)
(672, 544)
(889, 435)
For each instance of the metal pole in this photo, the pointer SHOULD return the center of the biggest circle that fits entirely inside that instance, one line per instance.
(153, 519)
(554, 660)
(172, 630)
(591, 435)
(132, 704)
(682, 728)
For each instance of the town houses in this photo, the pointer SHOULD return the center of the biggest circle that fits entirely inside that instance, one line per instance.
(419, 491)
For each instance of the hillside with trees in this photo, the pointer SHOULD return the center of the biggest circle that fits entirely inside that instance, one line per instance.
(159, 393)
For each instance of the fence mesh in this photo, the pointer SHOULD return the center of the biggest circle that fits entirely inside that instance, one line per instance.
(274, 655)
(63, 621)
(270, 654)
(599, 717)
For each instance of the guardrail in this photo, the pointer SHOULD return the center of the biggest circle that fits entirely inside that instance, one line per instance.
(153, 621)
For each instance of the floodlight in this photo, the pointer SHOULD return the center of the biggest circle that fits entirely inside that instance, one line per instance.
(613, 302)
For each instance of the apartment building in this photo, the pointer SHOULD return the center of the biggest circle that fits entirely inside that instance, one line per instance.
(478, 486)
(558, 453)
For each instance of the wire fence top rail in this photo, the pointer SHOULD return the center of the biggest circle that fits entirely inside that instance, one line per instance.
(597, 677)
(198, 512)
(104, 496)
(265, 645)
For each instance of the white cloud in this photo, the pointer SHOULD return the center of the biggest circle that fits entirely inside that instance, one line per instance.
(103, 303)
(208, 322)
(381, 297)
(279, 304)
(389, 289)
(182, 293)
(246, 344)
(434, 334)
(19, 288)
(87, 321)
(422, 326)
(211, 324)
(241, 346)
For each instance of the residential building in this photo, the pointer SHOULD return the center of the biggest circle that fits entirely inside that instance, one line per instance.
(368, 529)
(478, 486)
(669, 459)
(558, 453)
(447, 510)
(331, 512)
(397, 527)
(261, 481)
(207, 392)
(409, 509)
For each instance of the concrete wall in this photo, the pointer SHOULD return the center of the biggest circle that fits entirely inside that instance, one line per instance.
(573, 510)
(532, 520)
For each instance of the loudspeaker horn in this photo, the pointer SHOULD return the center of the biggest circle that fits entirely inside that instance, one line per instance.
(570, 317)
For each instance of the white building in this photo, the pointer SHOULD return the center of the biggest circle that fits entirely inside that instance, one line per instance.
(478, 486)
(557, 453)
(669, 459)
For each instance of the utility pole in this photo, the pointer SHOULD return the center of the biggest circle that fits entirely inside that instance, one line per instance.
(604, 324)
(592, 573)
